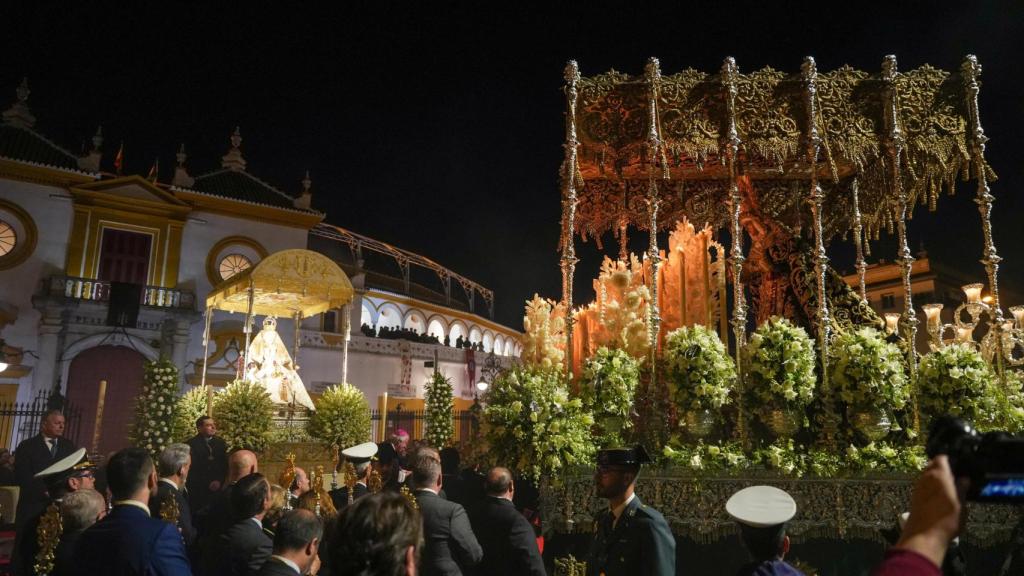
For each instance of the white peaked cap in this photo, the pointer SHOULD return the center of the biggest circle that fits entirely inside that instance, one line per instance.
(363, 451)
(63, 465)
(761, 506)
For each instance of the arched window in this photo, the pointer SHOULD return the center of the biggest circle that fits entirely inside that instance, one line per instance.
(8, 238)
(233, 264)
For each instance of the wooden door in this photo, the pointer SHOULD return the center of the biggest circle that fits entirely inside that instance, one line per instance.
(122, 368)
(124, 256)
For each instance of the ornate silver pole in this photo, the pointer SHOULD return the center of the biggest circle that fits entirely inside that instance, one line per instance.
(346, 336)
(569, 172)
(206, 358)
(652, 72)
(248, 325)
(894, 147)
(739, 310)
(858, 241)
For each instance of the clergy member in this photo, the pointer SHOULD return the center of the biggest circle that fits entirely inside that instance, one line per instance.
(762, 513)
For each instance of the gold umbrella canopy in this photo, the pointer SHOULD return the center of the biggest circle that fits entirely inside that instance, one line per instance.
(284, 284)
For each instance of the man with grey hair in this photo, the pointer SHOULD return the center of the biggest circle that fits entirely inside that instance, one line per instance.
(169, 499)
(450, 548)
(79, 510)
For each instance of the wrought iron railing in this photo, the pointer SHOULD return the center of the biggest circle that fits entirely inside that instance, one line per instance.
(99, 291)
(21, 420)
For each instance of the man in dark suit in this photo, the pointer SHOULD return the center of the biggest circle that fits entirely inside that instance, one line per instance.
(78, 510)
(128, 541)
(506, 537)
(359, 456)
(630, 537)
(217, 517)
(33, 456)
(450, 548)
(244, 547)
(296, 544)
(393, 451)
(173, 466)
(209, 463)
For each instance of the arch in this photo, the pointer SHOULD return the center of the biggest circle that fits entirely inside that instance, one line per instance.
(389, 315)
(367, 314)
(109, 338)
(123, 369)
(436, 325)
(475, 334)
(488, 341)
(456, 329)
(499, 345)
(414, 319)
(510, 347)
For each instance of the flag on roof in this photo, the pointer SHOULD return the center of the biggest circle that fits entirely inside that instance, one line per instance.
(119, 159)
(154, 171)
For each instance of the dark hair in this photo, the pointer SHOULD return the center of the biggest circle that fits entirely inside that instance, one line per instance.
(127, 471)
(763, 543)
(373, 534)
(201, 419)
(450, 460)
(499, 480)
(425, 470)
(248, 495)
(296, 529)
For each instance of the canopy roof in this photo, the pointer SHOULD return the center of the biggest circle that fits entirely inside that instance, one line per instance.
(285, 283)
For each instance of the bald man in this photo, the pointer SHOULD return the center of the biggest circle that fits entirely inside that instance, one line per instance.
(510, 546)
(300, 485)
(218, 516)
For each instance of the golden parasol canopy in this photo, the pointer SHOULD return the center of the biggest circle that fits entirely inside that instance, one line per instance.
(284, 284)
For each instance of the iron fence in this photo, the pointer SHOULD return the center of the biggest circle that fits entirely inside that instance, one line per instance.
(22, 420)
(415, 423)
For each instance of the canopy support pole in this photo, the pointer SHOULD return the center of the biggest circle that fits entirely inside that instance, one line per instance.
(653, 76)
(206, 359)
(569, 178)
(346, 336)
(248, 326)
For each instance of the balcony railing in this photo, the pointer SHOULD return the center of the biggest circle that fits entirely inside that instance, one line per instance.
(99, 291)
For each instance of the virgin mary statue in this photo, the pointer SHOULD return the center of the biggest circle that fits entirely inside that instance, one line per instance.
(272, 366)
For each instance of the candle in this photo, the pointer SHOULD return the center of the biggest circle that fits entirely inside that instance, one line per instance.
(933, 312)
(973, 292)
(963, 334)
(1018, 315)
(892, 321)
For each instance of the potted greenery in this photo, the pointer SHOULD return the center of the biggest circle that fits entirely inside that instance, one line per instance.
(868, 373)
(780, 374)
(701, 376)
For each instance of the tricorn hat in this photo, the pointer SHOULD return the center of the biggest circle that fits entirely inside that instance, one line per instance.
(634, 456)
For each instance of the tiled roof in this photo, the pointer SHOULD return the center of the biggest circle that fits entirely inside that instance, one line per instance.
(27, 145)
(239, 185)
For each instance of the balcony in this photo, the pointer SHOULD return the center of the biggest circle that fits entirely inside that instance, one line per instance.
(93, 290)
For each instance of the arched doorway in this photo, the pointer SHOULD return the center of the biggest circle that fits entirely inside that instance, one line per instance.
(122, 368)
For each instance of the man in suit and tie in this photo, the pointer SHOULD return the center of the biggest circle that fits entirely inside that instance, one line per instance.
(244, 547)
(128, 540)
(173, 466)
(35, 455)
(296, 544)
(78, 510)
(209, 463)
(505, 535)
(450, 548)
(630, 537)
(359, 456)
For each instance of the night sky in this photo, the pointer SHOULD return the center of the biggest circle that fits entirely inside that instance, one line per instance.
(439, 129)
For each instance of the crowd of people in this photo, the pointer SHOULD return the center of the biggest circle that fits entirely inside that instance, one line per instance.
(414, 335)
(199, 509)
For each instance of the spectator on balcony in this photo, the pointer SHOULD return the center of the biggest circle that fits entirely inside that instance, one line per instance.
(459, 342)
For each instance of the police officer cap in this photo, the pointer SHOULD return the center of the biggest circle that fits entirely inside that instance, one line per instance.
(360, 452)
(67, 467)
(634, 456)
(761, 507)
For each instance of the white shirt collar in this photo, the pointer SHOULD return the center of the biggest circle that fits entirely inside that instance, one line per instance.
(288, 563)
(431, 490)
(617, 511)
(169, 482)
(257, 521)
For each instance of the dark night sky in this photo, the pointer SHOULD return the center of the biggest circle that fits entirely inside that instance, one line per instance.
(440, 129)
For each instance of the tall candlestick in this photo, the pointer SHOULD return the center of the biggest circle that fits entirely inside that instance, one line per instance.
(933, 313)
(892, 321)
(98, 425)
(973, 292)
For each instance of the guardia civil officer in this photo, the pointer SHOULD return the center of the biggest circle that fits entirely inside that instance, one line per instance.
(762, 513)
(630, 538)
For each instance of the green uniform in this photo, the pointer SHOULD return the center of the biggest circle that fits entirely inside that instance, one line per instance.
(640, 544)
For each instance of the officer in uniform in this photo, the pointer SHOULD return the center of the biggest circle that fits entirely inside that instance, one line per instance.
(360, 456)
(73, 472)
(762, 513)
(630, 537)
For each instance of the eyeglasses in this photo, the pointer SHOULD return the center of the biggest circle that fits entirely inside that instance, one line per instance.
(86, 474)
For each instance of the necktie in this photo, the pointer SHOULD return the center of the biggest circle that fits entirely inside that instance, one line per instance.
(53, 447)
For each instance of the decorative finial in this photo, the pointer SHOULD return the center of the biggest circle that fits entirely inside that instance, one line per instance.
(18, 115)
(306, 183)
(233, 160)
(970, 68)
(303, 201)
(572, 72)
(91, 161)
(653, 69)
(97, 139)
(809, 69)
(889, 68)
(181, 177)
(181, 156)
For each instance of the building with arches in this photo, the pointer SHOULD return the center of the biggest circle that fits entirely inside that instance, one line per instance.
(101, 271)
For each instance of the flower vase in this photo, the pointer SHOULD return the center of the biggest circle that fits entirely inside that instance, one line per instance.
(872, 423)
(612, 425)
(783, 422)
(699, 423)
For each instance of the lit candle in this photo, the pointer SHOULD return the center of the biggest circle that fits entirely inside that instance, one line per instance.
(892, 321)
(1018, 315)
(973, 292)
(933, 312)
(963, 334)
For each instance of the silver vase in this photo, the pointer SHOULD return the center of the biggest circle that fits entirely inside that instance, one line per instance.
(699, 423)
(872, 423)
(782, 422)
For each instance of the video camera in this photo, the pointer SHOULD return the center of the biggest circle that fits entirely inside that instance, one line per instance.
(993, 462)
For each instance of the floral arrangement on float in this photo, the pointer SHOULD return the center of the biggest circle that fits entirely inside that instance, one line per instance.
(155, 408)
(342, 417)
(244, 414)
(608, 386)
(190, 406)
(956, 380)
(868, 373)
(622, 307)
(440, 404)
(780, 376)
(544, 333)
(533, 425)
(701, 376)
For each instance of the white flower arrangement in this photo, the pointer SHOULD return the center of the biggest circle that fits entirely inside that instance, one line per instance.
(607, 386)
(868, 371)
(188, 408)
(956, 380)
(780, 365)
(701, 373)
(544, 338)
(244, 414)
(342, 417)
(440, 404)
(155, 407)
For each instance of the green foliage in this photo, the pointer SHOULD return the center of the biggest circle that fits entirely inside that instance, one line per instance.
(244, 414)
(607, 387)
(868, 371)
(707, 458)
(701, 373)
(780, 365)
(342, 417)
(155, 407)
(440, 404)
(532, 426)
(955, 380)
(191, 406)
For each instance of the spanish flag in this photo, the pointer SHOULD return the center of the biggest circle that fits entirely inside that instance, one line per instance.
(119, 159)
(154, 171)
